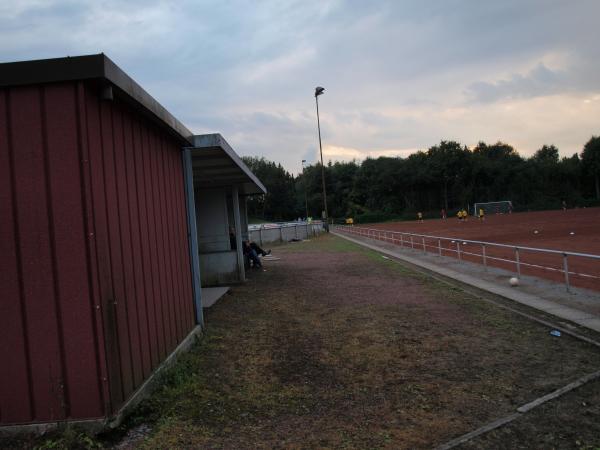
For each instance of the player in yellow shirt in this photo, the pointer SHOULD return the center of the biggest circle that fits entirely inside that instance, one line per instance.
(481, 214)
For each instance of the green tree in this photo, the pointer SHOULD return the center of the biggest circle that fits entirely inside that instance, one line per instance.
(547, 155)
(499, 174)
(280, 201)
(591, 161)
(449, 164)
(446, 175)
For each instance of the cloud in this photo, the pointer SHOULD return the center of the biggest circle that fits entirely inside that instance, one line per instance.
(280, 66)
(540, 81)
(399, 74)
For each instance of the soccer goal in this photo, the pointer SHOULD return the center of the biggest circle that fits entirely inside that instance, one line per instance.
(501, 207)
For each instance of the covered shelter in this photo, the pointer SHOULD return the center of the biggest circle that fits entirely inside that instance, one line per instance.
(221, 184)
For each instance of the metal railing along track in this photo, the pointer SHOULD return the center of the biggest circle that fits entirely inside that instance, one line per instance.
(457, 246)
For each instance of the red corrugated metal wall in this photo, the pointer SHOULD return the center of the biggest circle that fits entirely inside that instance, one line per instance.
(94, 264)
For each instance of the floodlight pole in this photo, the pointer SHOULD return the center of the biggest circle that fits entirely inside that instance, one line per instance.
(319, 91)
(305, 189)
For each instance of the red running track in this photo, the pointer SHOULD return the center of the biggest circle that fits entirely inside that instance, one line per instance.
(553, 228)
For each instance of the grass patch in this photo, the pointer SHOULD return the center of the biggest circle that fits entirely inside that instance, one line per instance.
(337, 347)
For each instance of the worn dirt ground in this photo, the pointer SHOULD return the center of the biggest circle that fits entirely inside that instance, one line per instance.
(335, 347)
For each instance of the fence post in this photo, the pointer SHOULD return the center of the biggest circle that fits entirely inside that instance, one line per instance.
(296, 230)
(281, 233)
(412, 244)
(517, 260)
(484, 258)
(458, 249)
(566, 269)
(440, 247)
(424, 250)
(260, 238)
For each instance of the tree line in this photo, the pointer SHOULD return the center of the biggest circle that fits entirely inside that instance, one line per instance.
(448, 175)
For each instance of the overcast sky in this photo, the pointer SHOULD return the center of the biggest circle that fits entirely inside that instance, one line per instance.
(399, 75)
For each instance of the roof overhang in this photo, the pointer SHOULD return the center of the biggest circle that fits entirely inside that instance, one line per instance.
(98, 68)
(215, 164)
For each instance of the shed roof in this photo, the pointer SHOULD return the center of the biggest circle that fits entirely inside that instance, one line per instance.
(215, 164)
(91, 67)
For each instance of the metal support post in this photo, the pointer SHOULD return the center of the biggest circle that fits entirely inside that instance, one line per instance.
(518, 261)
(424, 250)
(458, 249)
(238, 233)
(566, 270)
(193, 236)
(440, 247)
(412, 244)
(484, 256)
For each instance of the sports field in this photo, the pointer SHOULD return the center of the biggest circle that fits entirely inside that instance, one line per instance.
(575, 230)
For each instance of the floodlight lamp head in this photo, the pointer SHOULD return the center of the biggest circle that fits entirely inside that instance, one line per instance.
(319, 91)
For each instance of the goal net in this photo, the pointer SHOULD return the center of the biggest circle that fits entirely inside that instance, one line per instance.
(501, 207)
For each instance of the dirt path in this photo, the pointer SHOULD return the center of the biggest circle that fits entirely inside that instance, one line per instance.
(335, 347)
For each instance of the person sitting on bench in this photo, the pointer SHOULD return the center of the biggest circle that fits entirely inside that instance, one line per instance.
(250, 249)
(253, 245)
(251, 254)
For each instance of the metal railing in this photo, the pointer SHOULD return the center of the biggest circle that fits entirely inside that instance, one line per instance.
(458, 247)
